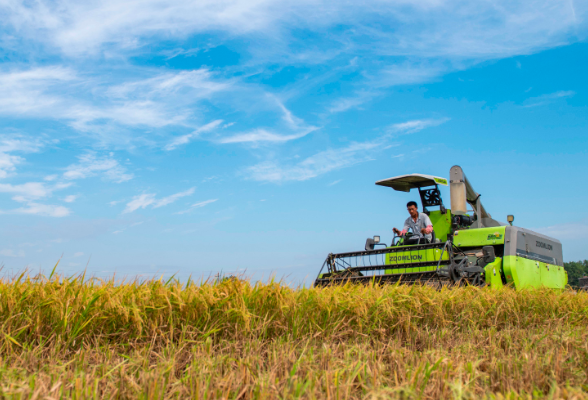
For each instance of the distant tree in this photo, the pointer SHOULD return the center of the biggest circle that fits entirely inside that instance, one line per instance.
(576, 270)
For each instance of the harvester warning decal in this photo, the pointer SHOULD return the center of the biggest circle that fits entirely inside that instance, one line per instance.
(494, 236)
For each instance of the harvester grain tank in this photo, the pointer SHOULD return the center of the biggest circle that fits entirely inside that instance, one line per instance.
(467, 246)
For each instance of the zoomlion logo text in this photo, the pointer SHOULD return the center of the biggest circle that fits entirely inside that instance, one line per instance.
(406, 258)
(494, 236)
(546, 246)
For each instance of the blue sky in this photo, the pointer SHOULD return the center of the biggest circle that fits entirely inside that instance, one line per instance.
(159, 137)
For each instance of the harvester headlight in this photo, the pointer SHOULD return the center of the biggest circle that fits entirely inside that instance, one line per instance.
(376, 239)
(510, 218)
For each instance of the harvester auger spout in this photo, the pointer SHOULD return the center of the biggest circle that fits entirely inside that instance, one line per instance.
(467, 246)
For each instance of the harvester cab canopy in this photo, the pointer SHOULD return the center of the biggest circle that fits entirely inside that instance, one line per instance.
(404, 183)
(427, 186)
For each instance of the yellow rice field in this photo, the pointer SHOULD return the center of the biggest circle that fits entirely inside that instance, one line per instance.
(91, 339)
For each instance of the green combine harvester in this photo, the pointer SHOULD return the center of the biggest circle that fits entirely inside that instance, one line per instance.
(467, 247)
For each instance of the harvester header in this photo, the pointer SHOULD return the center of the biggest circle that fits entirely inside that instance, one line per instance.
(466, 246)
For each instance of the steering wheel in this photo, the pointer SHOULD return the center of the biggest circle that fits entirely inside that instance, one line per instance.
(401, 240)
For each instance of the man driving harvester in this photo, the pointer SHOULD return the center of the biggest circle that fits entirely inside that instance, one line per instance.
(419, 223)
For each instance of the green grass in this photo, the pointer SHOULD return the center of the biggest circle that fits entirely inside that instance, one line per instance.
(69, 338)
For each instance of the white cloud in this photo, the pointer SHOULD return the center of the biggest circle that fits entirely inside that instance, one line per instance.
(287, 116)
(109, 99)
(547, 98)
(185, 139)
(418, 42)
(8, 164)
(140, 201)
(30, 91)
(346, 103)
(78, 254)
(415, 125)
(294, 124)
(569, 231)
(8, 145)
(42, 210)
(571, 236)
(203, 203)
(90, 165)
(431, 27)
(333, 159)
(106, 108)
(30, 193)
(159, 100)
(31, 190)
(148, 199)
(198, 205)
(318, 164)
(262, 135)
(209, 178)
(11, 253)
(200, 82)
(410, 74)
(124, 229)
(335, 182)
(17, 143)
(26, 190)
(170, 199)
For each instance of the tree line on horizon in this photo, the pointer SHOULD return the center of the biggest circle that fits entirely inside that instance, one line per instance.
(576, 270)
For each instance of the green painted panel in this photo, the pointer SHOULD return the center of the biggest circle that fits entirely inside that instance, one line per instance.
(525, 273)
(509, 268)
(521, 272)
(553, 276)
(479, 237)
(408, 257)
(492, 274)
(441, 224)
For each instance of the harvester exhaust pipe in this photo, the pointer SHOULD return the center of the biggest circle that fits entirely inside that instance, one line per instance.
(457, 189)
(462, 194)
